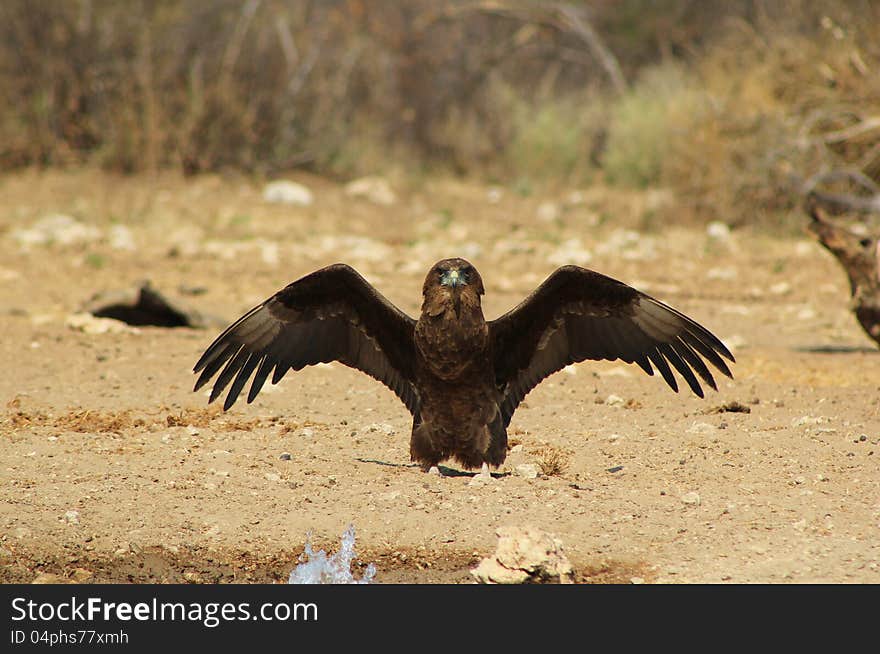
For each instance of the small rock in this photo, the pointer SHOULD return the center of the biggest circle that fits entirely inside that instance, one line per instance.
(89, 324)
(374, 188)
(718, 231)
(780, 288)
(691, 499)
(615, 400)
(58, 229)
(527, 470)
(273, 476)
(285, 456)
(22, 532)
(434, 470)
(547, 212)
(636, 580)
(525, 555)
(702, 428)
(72, 517)
(287, 192)
(121, 238)
(481, 479)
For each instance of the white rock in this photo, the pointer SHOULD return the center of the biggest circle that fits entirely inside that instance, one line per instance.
(272, 476)
(89, 324)
(547, 212)
(58, 229)
(691, 499)
(614, 400)
(525, 554)
(718, 230)
(270, 253)
(287, 192)
(481, 479)
(807, 313)
(374, 188)
(121, 238)
(780, 288)
(702, 428)
(527, 470)
(71, 517)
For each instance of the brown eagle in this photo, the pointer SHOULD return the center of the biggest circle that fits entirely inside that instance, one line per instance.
(460, 376)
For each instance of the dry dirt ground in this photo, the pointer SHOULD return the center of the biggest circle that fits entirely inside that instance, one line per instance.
(112, 470)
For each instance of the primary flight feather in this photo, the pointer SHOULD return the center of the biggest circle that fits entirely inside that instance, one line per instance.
(460, 376)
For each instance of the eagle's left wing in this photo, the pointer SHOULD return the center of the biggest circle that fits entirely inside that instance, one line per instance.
(579, 314)
(332, 314)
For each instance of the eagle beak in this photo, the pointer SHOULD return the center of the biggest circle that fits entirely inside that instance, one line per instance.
(453, 278)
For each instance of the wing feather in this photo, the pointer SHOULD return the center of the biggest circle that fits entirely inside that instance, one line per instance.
(579, 314)
(333, 314)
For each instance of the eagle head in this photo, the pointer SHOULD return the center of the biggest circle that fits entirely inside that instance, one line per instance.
(452, 280)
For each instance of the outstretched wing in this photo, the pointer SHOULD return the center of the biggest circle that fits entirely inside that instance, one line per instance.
(332, 314)
(579, 314)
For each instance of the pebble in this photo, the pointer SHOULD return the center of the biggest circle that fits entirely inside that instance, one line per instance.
(287, 192)
(72, 517)
(718, 230)
(702, 428)
(614, 400)
(285, 456)
(527, 470)
(121, 238)
(547, 212)
(691, 499)
(780, 288)
(273, 476)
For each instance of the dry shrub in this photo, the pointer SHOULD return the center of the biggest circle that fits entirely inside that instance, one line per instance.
(552, 460)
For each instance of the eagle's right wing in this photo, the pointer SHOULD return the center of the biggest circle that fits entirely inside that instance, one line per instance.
(579, 314)
(332, 314)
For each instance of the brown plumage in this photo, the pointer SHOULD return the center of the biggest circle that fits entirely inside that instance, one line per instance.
(460, 376)
(859, 255)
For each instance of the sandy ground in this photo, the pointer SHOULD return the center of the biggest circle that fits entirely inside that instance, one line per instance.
(113, 470)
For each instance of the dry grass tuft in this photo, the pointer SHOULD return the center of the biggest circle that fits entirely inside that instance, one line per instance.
(552, 460)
